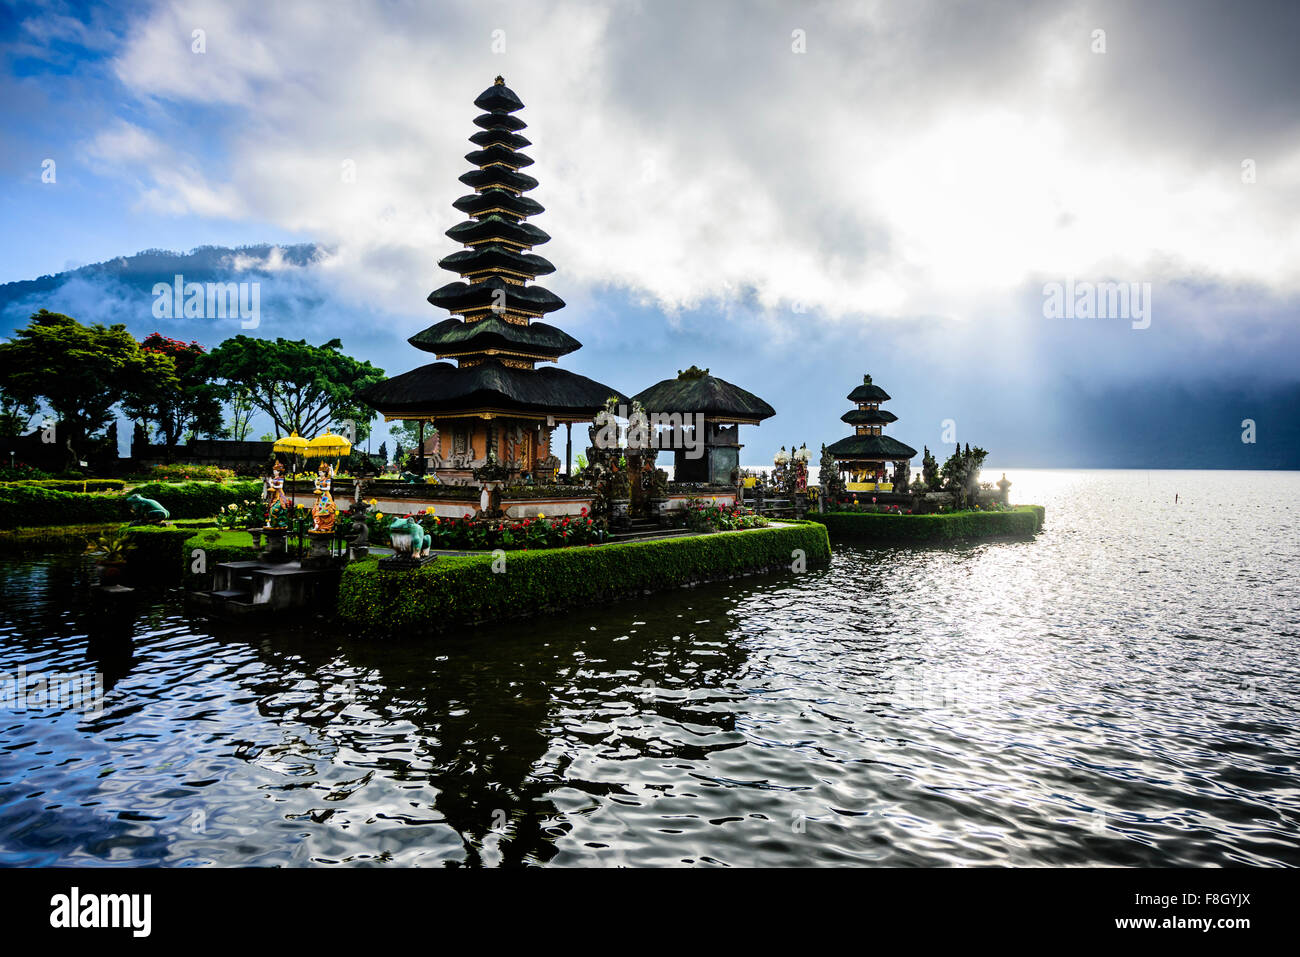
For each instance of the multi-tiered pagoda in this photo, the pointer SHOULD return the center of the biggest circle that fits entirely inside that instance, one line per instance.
(864, 455)
(494, 399)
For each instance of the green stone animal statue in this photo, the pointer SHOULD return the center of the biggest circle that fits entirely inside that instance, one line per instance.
(145, 511)
(405, 530)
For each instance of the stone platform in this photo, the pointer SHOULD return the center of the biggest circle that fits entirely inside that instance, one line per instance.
(244, 588)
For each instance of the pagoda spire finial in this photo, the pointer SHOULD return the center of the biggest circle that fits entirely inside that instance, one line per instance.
(499, 81)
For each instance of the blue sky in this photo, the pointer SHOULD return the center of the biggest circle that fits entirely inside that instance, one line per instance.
(791, 195)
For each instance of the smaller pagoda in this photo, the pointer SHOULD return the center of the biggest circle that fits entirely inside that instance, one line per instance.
(863, 456)
(719, 409)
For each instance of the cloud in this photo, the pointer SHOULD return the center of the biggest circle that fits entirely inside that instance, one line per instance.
(916, 160)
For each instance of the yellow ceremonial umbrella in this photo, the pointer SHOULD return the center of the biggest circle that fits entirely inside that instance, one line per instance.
(327, 445)
(295, 445)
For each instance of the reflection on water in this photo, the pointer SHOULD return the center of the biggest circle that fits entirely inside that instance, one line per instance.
(1119, 691)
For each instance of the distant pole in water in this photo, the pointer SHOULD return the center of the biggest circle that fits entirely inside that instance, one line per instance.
(1175, 498)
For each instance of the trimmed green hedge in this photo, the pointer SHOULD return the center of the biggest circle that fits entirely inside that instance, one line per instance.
(168, 551)
(72, 485)
(198, 499)
(1020, 522)
(30, 505)
(459, 591)
(228, 546)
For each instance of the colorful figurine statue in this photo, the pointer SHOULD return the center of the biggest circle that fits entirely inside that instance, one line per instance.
(324, 511)
(278, 512)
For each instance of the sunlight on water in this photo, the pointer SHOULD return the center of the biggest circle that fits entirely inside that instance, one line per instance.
(1121, 690)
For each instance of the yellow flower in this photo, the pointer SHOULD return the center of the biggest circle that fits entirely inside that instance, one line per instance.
(541, 514)
(379, 515)
(429, 510)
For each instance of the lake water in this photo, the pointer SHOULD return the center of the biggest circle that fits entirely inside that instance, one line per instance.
(1120, 691)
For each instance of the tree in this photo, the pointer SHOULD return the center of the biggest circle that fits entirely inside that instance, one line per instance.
(77, 370)
(383, 451)
(303, 388)
(184, 403)
(15, 414)
(241, 411)
(408, 430)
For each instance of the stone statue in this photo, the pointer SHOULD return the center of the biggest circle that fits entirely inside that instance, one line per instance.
(358, 537)
(409, 538)
(145, 511)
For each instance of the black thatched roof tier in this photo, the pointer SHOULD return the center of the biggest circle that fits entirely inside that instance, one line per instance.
(499, 154)
(715, 398)
(500, 202)
(493, 257)
(868, 393)
(868, 417)
(872, 448)
(486, 138)
(480, 296)
(499, 98)
(500, 229)
(499, 176)
(454, 337)
(489, 386)
(499, 121)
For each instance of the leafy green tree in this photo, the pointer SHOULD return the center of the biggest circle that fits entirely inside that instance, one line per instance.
(80, 372)
(303, 388)
(183, 404)
(15, 414)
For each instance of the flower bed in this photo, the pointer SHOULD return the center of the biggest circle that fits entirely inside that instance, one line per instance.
(895, 528)
(716, 518)
(453, 592)
(472, 532)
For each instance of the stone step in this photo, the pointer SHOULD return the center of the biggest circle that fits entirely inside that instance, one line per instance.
(235, 595)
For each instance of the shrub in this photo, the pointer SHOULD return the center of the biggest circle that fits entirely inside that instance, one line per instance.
(72, 485)
(166, 553)
(474, 532)
(895, 529)
(29, 506)
(713, 518)
(199, 499)
(190, 473)
(459, 591)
